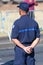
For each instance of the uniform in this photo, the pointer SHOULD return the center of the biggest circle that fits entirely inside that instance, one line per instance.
(26, 30)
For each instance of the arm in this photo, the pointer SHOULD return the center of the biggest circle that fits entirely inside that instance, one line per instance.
(35, 42)
(32, 4)
(18, 43)
(14, 35)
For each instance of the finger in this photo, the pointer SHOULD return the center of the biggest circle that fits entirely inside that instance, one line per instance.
(28, 51)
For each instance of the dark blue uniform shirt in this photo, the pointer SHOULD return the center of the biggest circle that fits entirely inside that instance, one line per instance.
(25, 29)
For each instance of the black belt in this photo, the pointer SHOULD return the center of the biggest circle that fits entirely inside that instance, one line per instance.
(27, 42)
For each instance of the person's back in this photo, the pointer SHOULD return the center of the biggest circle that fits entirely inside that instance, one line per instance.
(27, 28)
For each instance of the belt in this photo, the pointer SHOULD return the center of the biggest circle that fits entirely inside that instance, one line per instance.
(27, 43)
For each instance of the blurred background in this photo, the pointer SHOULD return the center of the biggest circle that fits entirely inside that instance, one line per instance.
(8, 14)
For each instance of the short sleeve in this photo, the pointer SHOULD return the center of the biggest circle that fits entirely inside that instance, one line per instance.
(15, 31)
(37, 31)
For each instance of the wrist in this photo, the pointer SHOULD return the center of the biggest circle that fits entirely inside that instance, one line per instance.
(23, 47)
(31, 46)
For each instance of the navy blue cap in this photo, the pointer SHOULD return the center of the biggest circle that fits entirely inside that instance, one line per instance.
(24, 6)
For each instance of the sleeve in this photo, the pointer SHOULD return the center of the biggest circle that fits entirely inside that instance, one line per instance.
(15, 31)
(31, 4)
(37, 31)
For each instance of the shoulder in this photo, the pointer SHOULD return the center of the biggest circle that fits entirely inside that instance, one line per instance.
(35, 22)
(16, 22)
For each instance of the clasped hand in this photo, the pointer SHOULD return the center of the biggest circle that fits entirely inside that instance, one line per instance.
(28, 49)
